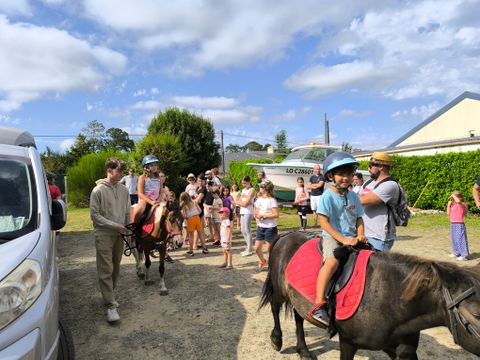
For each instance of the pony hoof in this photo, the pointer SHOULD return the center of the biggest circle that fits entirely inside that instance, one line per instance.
(276, 343)
(163, 292)
(305, 354)
(149, 282)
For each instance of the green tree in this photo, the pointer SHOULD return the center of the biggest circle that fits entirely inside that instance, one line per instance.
(118, 140)
(281, 142)
(347, 147)
(82, 176)
(252, 146)
(196, 136)
(53, 161)
(234, 148)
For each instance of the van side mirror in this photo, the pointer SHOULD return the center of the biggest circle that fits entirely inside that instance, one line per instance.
(58, 219)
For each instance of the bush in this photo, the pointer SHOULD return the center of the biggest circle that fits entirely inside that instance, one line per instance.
(239, 169)
(81, 177)
(437, 176)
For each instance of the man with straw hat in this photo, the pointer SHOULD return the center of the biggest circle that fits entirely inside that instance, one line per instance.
(376, 195)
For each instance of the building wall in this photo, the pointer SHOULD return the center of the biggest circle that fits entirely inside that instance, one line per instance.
(425, 151)
(455, 123)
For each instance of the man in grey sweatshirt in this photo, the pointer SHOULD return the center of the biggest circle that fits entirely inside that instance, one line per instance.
(110, 212)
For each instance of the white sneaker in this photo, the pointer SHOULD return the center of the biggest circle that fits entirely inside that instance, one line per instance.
(112, 315)
(461, 258)
(246, 253)
(452, 256)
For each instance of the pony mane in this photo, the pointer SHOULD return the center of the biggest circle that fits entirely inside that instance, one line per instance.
(428, 275)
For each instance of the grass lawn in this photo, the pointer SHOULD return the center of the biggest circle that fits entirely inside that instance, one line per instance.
(79, 220)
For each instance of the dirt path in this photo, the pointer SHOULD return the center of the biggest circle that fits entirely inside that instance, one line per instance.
(210, 313)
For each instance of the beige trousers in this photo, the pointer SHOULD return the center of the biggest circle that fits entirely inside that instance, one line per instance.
(109, 255)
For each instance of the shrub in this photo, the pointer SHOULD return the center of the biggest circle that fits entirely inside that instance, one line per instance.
(238, 169)
(437, 176)
(81, 177)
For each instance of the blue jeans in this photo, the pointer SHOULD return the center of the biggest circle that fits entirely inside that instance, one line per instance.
(381, 245)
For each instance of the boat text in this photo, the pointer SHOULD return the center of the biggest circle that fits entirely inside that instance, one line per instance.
(299, 171)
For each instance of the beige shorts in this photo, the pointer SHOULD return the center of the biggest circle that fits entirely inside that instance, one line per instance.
(329, 245)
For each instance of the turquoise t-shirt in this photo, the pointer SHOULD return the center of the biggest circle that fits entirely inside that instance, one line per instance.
(342, 211)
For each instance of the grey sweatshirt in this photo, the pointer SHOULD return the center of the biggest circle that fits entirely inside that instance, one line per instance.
(109, 207)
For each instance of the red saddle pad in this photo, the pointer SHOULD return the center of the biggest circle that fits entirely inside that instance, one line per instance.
(302, 272)
(148, 225)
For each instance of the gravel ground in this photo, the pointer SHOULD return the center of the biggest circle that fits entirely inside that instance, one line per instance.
(210, 313)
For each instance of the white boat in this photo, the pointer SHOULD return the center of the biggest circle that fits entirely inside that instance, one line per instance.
(299, 163)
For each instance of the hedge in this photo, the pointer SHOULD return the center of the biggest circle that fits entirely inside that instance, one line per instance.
(438, 175)
(238, 169)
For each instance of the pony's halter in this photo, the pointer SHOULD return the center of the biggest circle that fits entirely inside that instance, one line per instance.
(455, 316)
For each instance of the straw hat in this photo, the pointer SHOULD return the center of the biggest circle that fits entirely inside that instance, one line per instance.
(382, 158)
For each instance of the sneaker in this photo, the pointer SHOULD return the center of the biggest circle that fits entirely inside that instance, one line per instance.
(216, 243)
(461, 258)
(205, 250)
(452, 255)
(320, 314)
(112, 315)
(246, 253)
(190, 253)
(222, 266)
(169, 259)
(229, 267)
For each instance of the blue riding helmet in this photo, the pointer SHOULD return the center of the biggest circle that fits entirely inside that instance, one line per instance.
(336, 160)
(149, 159)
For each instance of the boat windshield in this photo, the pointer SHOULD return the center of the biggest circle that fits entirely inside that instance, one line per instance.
(309, 155)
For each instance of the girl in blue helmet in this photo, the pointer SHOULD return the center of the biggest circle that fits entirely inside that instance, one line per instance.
(340, 213)
(149, 186)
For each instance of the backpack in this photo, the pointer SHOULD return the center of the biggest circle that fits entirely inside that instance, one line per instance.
(400, 211)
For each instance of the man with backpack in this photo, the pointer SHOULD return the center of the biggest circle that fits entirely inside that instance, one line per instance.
(379, 196)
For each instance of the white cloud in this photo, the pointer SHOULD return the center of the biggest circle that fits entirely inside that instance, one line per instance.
(212, 35)
(36, 60)
(417, 112)
(404, 51)
(16, 7)
(348, 113)
(238, 115)
(66, 144)
(140, 92)
(154, 91)
(215, 102)
(53, 2)
(147, 105)
(287, 116)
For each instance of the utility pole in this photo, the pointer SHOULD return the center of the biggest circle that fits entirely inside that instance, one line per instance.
(223, 152)
(326, 130)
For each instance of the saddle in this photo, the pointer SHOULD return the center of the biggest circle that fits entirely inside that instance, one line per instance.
(146, 224)
(345, 290)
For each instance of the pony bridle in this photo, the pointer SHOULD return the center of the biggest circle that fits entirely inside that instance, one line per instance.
(455, 316)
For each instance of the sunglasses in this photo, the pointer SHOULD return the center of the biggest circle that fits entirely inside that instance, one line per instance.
(372, 164)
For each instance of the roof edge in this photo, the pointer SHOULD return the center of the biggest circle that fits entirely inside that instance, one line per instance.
(438, 113)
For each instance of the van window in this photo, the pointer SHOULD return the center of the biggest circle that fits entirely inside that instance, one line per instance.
(17, 198)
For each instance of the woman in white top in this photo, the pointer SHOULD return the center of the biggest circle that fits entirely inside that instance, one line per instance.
(246, 213)
(266, 214)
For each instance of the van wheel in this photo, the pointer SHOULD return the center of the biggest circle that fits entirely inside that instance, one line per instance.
(66, 349)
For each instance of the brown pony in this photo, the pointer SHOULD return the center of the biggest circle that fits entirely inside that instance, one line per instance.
(163, 216)
(403, 295)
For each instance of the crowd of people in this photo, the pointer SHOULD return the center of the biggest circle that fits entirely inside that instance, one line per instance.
(348, 210)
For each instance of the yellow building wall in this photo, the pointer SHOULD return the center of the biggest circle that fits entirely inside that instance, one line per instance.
(452, 124)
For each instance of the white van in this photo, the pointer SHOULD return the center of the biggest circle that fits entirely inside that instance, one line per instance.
(29, 310)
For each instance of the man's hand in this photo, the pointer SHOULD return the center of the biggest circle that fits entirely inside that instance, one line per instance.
(122, 229)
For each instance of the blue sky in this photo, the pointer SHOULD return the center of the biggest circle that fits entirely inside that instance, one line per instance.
(252, 67)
